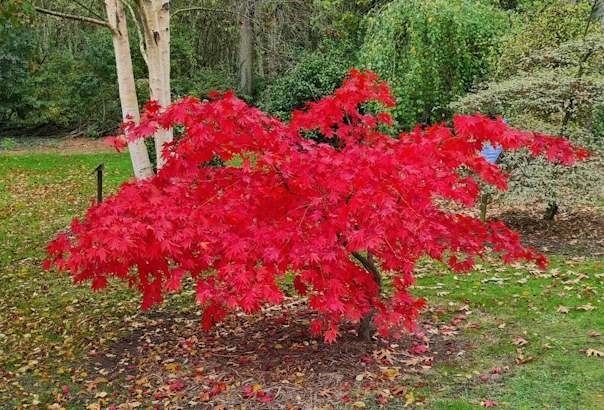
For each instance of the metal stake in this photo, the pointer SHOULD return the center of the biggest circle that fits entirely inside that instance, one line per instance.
(99, 182)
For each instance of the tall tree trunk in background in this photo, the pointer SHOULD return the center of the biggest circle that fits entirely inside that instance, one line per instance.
(156, 32)
(246, 46)
(127, 89)
(599, 13)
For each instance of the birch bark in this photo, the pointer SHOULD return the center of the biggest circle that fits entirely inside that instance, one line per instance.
(156, 31)
(127, 89)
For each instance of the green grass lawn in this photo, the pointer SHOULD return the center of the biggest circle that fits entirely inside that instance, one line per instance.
(48, 326)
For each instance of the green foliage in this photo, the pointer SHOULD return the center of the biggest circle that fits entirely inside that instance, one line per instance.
(598, 123)
(76, 88)
(66, 87)
(202, 82)
(430, 52)
(316, 75)
(547, 26)
(546, 92)
(8, 144)
(16, 47)
(343, 19)
(15, 12)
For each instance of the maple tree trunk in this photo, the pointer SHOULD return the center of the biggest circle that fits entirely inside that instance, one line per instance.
(156, 32)
(366, 325)
(127, 89)
(484, 204)
(246, 47)
(551, 211)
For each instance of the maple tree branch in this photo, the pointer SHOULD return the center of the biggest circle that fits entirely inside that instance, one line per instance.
(84, 19)
(369, 265)
(365, 328)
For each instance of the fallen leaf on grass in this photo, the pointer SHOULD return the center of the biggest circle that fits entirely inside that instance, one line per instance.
(400, 390)
(390, 372)
(488, 403)
(418, 349)
(593, 333)
(409, 399)
(594, 353)
(383, 355)
(519, 341)
(562, 309)
(587, 308)
(521, 359)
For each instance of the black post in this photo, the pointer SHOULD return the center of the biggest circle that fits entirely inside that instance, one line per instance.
(99, 182)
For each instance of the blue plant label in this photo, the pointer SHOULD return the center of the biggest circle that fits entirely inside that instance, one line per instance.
(490, 153)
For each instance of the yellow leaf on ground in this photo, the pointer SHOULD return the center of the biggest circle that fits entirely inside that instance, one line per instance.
(390, 372)
(409, 399)
(594, 353)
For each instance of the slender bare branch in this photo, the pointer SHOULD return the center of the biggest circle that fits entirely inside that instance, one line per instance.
(88, 9)
(102, 23)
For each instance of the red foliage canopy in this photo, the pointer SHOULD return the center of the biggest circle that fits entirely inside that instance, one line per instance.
(298, 207)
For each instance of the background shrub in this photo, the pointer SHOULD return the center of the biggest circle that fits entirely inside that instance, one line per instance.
(316, 75)
(554, 85)
(431, 52)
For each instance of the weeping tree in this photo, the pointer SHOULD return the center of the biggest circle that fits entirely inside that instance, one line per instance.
(431, 52)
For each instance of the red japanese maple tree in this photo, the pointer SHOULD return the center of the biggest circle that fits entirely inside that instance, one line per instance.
(332, 216)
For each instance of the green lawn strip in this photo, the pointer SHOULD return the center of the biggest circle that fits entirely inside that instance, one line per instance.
(47, 322)
(524, 303)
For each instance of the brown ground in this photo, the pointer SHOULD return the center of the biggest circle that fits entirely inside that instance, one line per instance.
(266, 361)
(66, 145)
(579, 232)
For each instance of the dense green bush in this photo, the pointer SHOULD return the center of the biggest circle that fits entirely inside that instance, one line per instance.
(69, 88)
(431, 52)
(548, 95)
(598, 123)
(77, 89)
(316, 75)
(542, 27)
(16, 47)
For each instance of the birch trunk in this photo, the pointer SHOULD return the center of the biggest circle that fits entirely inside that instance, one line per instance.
(127, 89)
(156, 31)
(246, 47)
